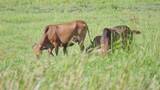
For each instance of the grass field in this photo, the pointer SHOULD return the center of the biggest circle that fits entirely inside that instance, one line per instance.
(21, 25)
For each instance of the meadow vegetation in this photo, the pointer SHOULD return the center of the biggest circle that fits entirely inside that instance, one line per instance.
(22, 23)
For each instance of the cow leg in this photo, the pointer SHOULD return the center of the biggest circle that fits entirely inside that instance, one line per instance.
(56, 50)
(56, 46)
(130, 39)
(82, 37)
(81, 47)
(65, 49)
(50, 51)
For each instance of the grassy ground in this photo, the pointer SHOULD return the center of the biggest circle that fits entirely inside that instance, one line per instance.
(21, 24)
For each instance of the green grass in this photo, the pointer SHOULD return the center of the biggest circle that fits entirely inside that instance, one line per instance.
(21, 25)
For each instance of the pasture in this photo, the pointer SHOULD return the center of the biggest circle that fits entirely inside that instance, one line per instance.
(22, 23)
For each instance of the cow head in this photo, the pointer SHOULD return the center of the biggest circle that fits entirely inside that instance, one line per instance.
(37, 49)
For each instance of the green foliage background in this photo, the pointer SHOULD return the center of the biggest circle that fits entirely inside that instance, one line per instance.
(21, 25)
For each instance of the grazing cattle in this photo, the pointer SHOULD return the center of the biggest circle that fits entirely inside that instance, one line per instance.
(124, 33)
(111, 35)
(96, 43)
(60, 35)
(105, 41)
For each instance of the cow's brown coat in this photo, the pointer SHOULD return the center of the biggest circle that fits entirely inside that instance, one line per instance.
(58, 35)
(111, 35)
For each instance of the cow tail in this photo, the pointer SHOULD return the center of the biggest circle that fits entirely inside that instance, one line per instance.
(89, 35)
(136, 32)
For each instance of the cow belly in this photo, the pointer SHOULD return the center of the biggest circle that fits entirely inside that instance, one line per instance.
(65, 37)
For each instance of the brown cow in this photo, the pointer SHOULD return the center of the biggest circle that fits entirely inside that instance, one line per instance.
(101, 42)
(58, 35)
(96, 43)
(111, 35)
(125, 33)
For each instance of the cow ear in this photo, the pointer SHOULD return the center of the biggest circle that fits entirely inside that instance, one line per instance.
(136, 31)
